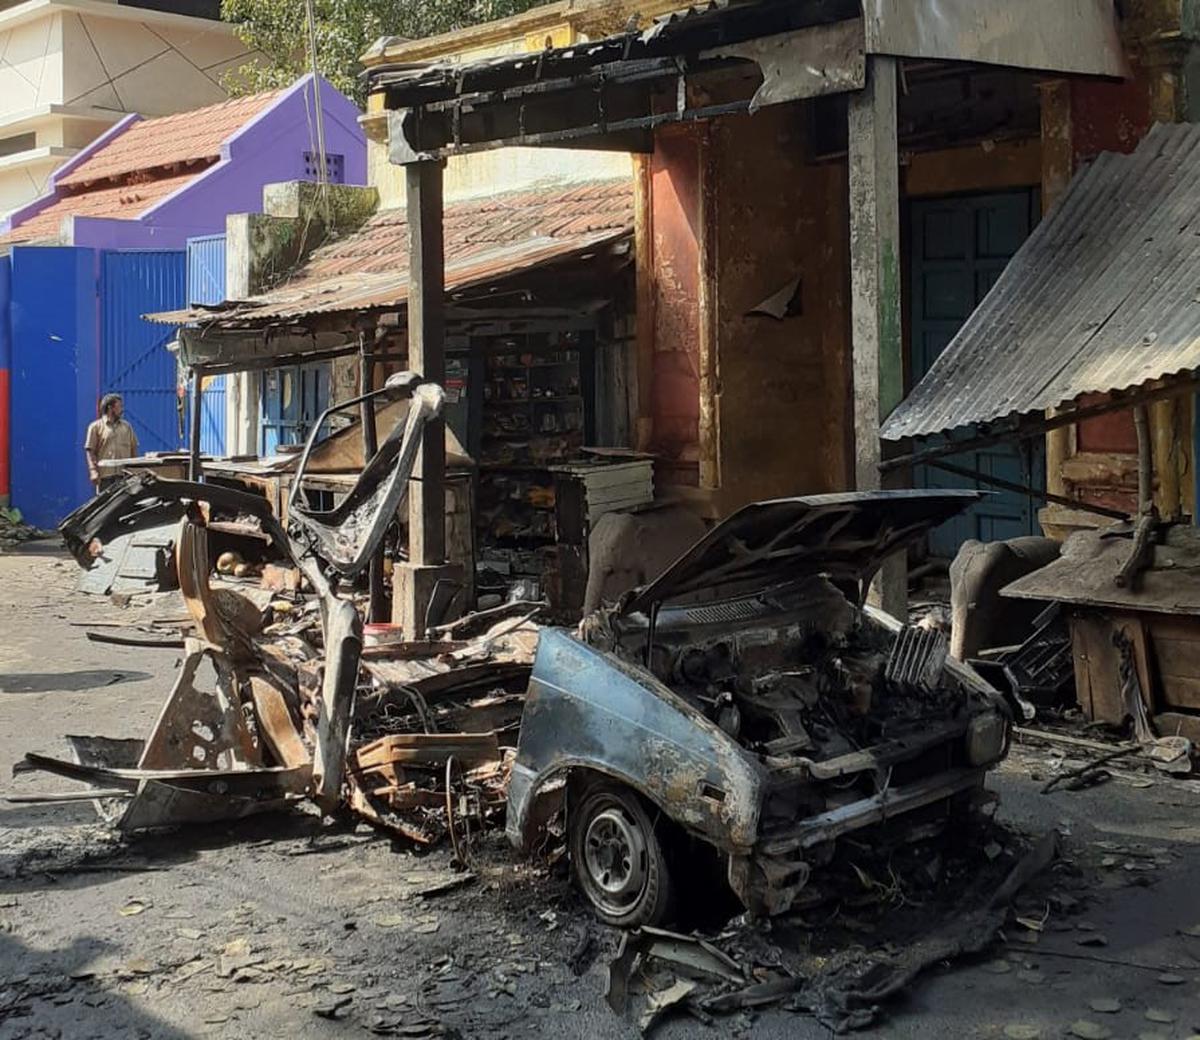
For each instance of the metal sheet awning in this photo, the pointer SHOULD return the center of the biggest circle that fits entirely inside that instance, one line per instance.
(613, 91)
(1104, 296)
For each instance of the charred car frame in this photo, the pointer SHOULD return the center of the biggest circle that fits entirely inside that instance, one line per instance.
(748, 697)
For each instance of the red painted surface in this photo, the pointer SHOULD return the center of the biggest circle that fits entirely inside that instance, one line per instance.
(675, 224)
(1107, 433)
(1108, 117)
(5, 414)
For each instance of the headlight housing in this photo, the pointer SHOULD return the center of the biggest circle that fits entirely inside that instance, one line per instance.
(987, 738)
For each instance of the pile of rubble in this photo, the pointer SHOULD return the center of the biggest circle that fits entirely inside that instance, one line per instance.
(280, 703)
(14, 530)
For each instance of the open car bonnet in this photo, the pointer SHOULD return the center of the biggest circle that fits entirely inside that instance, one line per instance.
(767, 544)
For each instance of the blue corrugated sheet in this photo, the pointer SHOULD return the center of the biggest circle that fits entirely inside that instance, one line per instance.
(55, 377)
(206, 269)
(206, 285)
(5, 366)
(135, 362)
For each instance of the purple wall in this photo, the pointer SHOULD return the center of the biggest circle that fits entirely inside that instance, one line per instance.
(268, 149)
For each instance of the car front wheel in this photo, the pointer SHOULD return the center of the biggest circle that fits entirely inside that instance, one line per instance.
(618, 858)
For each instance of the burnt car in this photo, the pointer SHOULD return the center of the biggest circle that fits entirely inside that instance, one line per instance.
(749, 701)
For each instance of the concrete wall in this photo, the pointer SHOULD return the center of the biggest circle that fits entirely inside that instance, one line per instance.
(509, 169)
(268, 149)
(31, 63)
(782, 387)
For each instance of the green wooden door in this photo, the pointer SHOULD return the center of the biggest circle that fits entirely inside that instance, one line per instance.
(959, 246)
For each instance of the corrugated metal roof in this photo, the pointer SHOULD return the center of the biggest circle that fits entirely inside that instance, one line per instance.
(485, 239)
(1103, 296)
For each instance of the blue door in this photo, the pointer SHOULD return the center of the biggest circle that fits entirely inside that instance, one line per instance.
(206, 284)
(134, 360)
(959, 247)
(293, 398)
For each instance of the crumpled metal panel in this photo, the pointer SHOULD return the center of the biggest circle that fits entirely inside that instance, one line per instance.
(1078, 36)
(787, 540)
(1101, 297)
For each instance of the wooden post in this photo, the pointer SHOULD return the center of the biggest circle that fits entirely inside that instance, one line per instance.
(875, 303)
(370, 443)
(427, 356)
(1058, 163)
(194, 467)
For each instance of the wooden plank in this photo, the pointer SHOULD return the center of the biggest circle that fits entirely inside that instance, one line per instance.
(1176, 650)
(428, 748)
(427, 355)
(1097, 675)
(275, 724)
(643, 492)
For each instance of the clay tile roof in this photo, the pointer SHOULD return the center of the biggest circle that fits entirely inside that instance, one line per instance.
(119, 201)
(486, 240)
(479, 226)
(180, 139)
(142, 166)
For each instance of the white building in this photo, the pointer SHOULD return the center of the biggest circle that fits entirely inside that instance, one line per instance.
(70, 69)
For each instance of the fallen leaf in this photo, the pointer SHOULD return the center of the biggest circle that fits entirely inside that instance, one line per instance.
(1160, 1016)
(1092, 939)
(1033, 978)
(1086, 1030)
(997, 967)
(392, 921)
(134, 906)
(427, 927)
(342, 987)
(330, 1008)
(1193, 931)
(1105, 1005)
(189, 933)
(1170, 979)
(1020, 1031)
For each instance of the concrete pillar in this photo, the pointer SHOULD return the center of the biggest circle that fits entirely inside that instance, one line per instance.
(875, 292)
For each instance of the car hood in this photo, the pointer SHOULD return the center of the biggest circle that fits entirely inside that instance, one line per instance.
(768, 544)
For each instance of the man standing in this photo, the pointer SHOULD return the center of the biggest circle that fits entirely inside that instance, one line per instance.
(109, 437)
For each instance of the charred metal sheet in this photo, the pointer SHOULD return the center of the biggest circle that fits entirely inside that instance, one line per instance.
(1079, 36)
(343, 648)
(827, 826)
(773, 543)
(917, 657)
(348, 536)
(1100, 298)
(823, 59)
(588, 709)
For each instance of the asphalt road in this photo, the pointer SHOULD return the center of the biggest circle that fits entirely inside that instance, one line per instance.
(283, 926)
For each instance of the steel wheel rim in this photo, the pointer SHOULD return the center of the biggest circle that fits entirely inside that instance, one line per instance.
(614, 859)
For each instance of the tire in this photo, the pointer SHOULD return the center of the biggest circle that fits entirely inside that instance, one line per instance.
(618, 858)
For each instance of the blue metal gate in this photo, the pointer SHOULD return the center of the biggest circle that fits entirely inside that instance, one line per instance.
(134, 360)
(292, 399)
(206, 284)
(55, 377)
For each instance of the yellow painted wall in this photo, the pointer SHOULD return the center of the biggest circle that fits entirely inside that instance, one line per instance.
(510, 169)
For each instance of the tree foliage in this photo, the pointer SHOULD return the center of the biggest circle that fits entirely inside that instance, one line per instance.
(345, 29)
